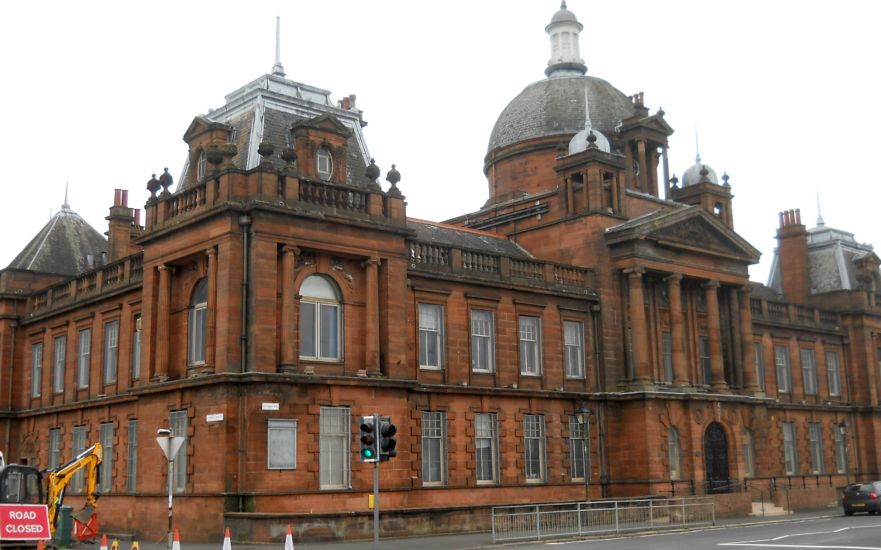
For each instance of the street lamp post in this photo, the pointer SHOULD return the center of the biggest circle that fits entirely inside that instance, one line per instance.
(170, 447)
(582, 415)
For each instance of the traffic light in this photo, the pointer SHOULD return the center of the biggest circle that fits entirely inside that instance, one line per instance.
(369, 450)
(387, 441)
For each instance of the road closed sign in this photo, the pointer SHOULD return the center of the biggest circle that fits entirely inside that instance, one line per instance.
(24, 522)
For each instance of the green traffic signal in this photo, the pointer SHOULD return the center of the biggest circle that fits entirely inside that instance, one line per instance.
(368, 439)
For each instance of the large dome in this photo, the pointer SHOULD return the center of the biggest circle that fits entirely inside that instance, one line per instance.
(556, 106)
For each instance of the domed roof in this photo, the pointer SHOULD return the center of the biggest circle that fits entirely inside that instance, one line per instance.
(564, 16)
(555, 106)
(693, 175)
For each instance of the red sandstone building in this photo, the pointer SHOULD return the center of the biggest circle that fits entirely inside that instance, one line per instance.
(277, 293)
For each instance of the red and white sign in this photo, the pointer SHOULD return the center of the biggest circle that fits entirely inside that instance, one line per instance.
(24, 522)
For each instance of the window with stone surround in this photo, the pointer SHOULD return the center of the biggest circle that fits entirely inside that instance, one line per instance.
(111, 350)
(54, 448)
(131, 463)
(334, 461)
(667, 356)
(136, 348)
(706, 362)
(178, 422)
(84, 358)
(530, 345)
(324, 163)
(579, 462)
(486, 444)
(760, 364)
(674, 453)
(434, 448)
(784, 372)
(431, 336)
(197, 333)
(841, 447)
(320, 320)
(105, 469)
(78, 445)
(482, 341)
(281, 444)
(790, 453)
(749, 453)
(534, 448)
(60, 356)
(815, 432)
(573, 349)
(808, 371)
(832, 374)
(36, 369)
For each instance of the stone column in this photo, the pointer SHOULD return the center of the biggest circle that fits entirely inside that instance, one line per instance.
(163, 314)
(638, 329)
(643, 166)
(717, 365)
(750, 380)
(371, 314)
(212, 308)
(289, 332)
(677, 329)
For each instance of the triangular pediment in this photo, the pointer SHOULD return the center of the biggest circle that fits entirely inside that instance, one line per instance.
(200, 125)
(689, 228)
(323, 122)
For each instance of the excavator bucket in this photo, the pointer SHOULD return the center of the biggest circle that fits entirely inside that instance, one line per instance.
(85, 523)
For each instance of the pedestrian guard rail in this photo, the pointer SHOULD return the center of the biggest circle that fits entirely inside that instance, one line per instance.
(598, 517)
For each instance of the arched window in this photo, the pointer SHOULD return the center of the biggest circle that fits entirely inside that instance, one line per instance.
(324, 163)
(320, 319)
(749, 454)
(198, 323)
(674, 453)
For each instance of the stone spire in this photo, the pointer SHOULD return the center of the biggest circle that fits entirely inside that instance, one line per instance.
(277, 69)
(565, 57)
(66, 205)
(820, 220)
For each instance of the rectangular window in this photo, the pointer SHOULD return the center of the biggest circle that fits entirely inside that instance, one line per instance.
(36, 369)
(179, 424)
(84, 358)
(482, 344)
(434, 448)
(105, 469)
(334, 464)
(579, 464)
(667, 356)
(79, 445)
(573, 345)
(841, 448)
(784, 374)
(198, 333)
(760, 364)
(832, 374)
(131, 466)
(111, 347)
(486, 444)
(431, 337)
(816, 439)
(809, 371)
(281, 444)
(790, 457)
(706, 362)
(673, 453)
(530, 345)
(136, 349)
(58, 367)
(54, 448)
(534, 447)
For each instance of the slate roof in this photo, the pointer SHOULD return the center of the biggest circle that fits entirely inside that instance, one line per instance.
(556, 106)
(266, 108)
(62, 246)
(470, 239)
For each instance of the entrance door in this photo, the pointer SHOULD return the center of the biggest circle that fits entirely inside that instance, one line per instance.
(716, 455)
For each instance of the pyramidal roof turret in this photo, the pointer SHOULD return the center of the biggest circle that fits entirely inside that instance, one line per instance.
(66, 245)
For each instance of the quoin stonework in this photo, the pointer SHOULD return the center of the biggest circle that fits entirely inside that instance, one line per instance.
(589, 332)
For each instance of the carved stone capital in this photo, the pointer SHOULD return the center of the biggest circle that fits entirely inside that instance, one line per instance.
(635, 272)
(674, 278)
(371, 261)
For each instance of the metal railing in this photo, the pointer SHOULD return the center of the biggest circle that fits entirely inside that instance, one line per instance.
(575, 519)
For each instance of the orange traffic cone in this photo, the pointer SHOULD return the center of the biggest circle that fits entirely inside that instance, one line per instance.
(175, 545)
(289, 540)
(39, 545)
(103, 542)
(227, 545)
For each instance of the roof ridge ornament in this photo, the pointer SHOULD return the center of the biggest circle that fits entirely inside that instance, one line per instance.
(278, 69)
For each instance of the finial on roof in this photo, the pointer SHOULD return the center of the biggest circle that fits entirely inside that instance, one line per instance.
(697, 148)
(820, 220)
(277, 69)
(65, 206)
(563, 5)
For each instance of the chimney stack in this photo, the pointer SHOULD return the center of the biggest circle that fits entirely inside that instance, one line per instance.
(119, 230)
(792, 251)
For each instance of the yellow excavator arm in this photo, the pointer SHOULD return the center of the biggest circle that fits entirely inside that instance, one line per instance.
(59, 478)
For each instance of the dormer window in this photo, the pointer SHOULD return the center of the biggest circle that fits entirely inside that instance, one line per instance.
(324, 163)
(201, 165)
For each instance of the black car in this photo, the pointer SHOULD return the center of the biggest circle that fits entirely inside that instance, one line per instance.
(862, 497)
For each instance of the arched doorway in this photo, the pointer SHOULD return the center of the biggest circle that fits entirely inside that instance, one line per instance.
(716, 457)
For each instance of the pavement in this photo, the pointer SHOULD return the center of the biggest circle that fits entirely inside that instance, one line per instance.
(469, 541)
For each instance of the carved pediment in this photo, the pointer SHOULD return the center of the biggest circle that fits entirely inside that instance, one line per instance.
(696, 232)
(200, 125)
(323, 122)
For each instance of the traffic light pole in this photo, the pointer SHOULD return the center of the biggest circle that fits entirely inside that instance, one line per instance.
(376, 504)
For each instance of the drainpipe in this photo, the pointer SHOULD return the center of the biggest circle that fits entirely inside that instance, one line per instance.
(245, 222)
(8, 437)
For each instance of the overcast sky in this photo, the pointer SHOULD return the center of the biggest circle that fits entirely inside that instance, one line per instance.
(782, 94)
